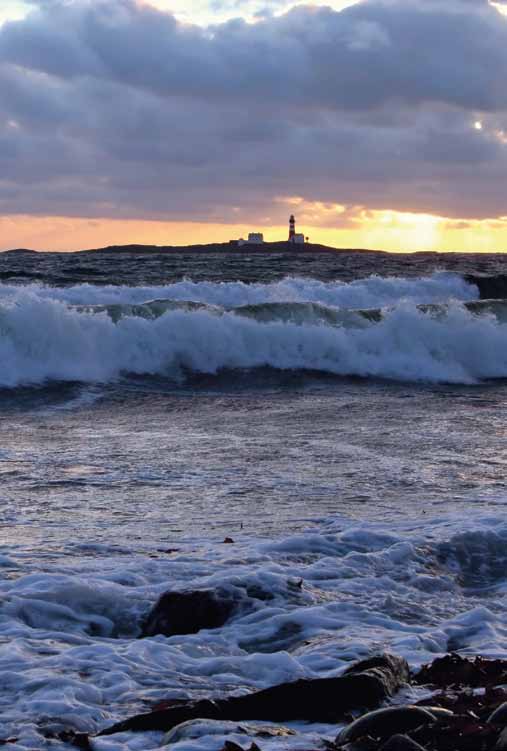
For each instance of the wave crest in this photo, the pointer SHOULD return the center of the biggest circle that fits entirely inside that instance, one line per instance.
(372, 292)
(44, 339)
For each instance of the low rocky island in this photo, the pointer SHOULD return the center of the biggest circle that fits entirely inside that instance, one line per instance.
(233, 247)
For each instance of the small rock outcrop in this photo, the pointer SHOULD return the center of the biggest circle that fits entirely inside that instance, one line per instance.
(455, 671)
(365, 685)
(458, 717)
(187, 613)
(384, 723)
(197, 728)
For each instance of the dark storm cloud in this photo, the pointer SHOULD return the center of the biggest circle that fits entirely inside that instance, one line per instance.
(454, 52)
(115, 109)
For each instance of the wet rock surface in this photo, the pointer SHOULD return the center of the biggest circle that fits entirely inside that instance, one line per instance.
(466, 711)
(469, 692)
(188, 613)
(453, 670)
(366, 684)
(383, 723)
(196, 728)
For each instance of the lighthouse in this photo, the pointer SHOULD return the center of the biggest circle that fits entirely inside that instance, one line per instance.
(292, 228)
(294, 238)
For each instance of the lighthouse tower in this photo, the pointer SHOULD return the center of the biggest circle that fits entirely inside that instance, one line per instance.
(292, 228)
(294, 238)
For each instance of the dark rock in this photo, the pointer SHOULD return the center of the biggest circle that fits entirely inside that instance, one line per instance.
(490, 287)
(501, 744)
(466, 702)
(499, 716)
(231, 746)
(166, 719)
(453, 670)
(187, 613)
(458, 733)
(195, 728)
(79, 740)
(365, 684)
(401, 743)
(383, 723)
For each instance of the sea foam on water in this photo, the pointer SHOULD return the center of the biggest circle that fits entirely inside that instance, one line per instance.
(340, 588)
(70, 657)
(51, 334)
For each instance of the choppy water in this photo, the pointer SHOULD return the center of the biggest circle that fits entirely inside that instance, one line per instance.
(341, 418)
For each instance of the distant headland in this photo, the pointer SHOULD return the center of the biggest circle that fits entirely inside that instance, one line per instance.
(296, 243)
(232, 247)
(244, 249)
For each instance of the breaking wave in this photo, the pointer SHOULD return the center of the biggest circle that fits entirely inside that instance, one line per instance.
(290, 312)
(48, 334)
(372, 292)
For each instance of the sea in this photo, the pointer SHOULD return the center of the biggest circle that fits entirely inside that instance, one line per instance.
(339, 418)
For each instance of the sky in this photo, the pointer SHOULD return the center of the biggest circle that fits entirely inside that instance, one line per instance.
(378, 123)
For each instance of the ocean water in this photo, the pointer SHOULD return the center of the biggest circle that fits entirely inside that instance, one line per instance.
(341, 418)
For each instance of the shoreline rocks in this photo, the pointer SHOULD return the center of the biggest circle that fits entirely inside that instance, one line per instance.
(384, 723)
(466, 712)
(365, 685)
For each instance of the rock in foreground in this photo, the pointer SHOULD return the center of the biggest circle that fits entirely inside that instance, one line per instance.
(187, 613)
(365, 685)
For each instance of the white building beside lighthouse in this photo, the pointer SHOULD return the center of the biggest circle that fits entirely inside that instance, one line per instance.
(254, 238)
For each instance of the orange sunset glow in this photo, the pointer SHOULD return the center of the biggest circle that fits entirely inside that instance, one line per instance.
(383, 230)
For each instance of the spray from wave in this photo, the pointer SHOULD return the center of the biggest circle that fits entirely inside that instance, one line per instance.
(372, 292)
(82, 334)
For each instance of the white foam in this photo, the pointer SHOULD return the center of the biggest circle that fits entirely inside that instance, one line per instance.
(372, 292)
(44, 339)
(69, 656)
(365, 588)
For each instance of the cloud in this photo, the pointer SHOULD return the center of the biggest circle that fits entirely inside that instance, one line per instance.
(113, 108)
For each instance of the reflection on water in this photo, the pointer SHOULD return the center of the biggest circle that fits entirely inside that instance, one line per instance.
(266, 454)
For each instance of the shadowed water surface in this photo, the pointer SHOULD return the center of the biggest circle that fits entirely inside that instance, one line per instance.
(153, 461)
